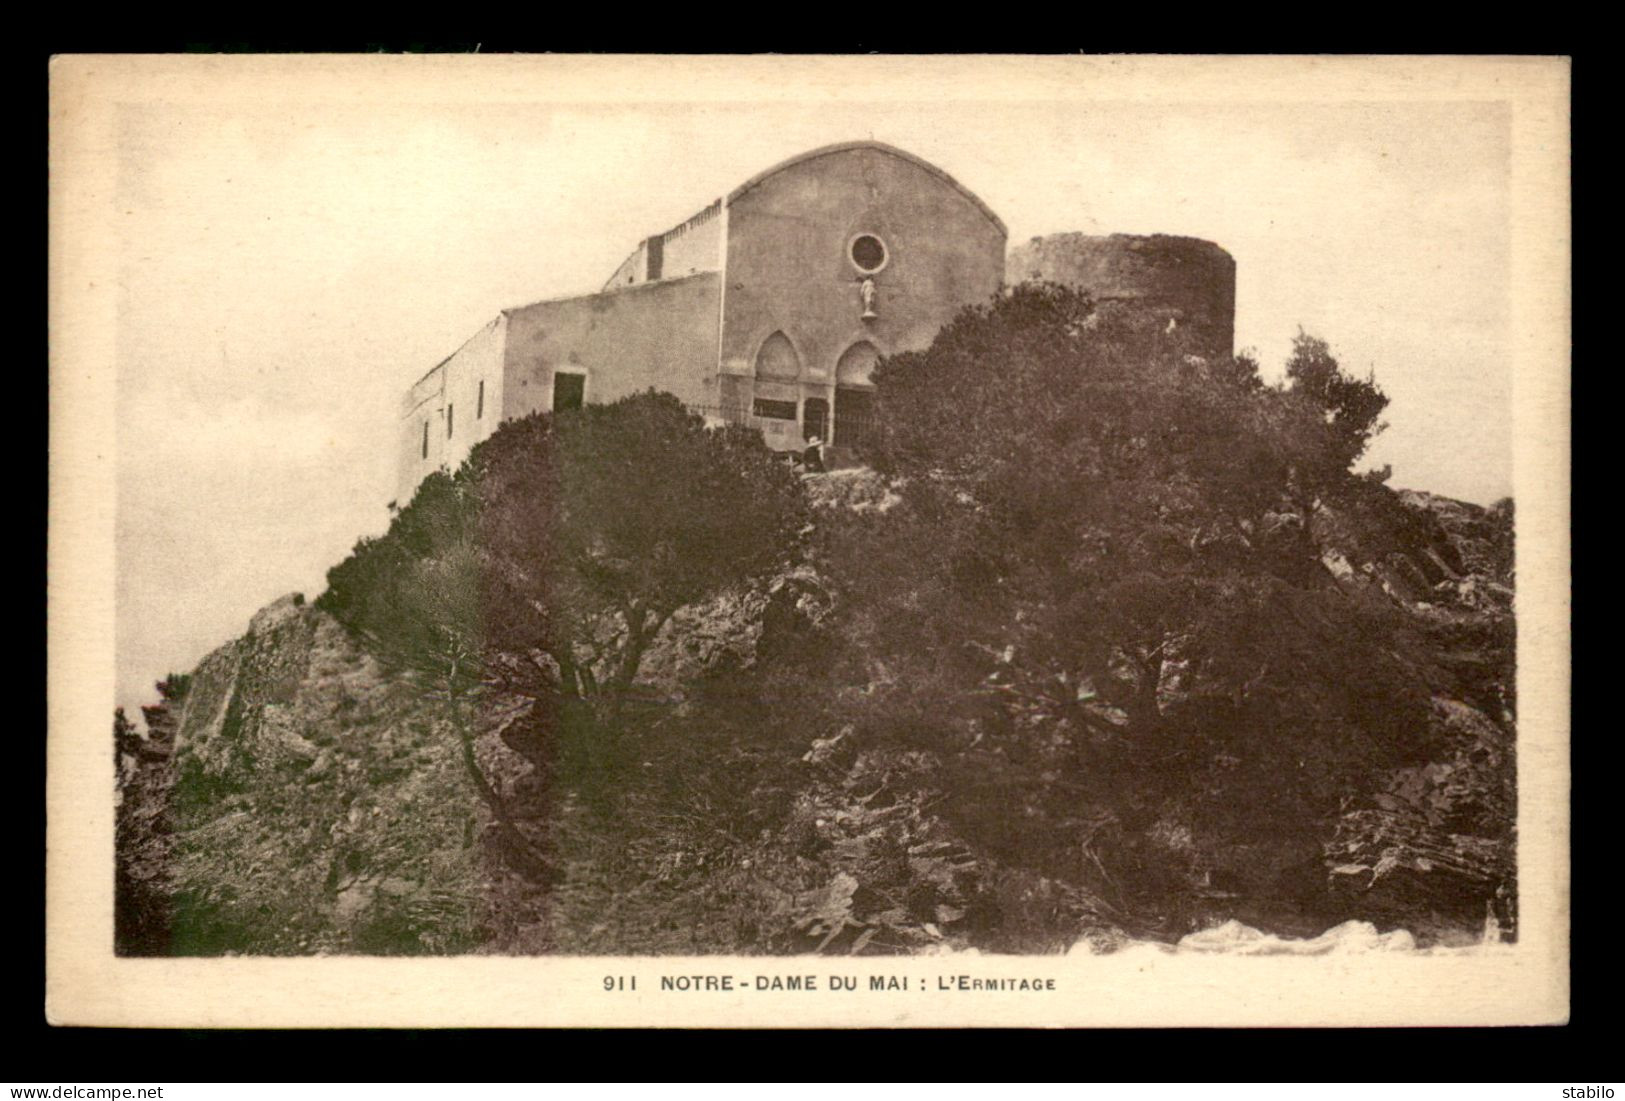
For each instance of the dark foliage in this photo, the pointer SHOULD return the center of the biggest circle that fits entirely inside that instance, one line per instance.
(510, 568)
(1076, 661)
(547, 565)
(144, 824)
(1099, 603)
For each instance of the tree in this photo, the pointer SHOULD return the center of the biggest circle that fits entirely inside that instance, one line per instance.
(646, 510)
(1349, 407)
(550, 561)
(1102, 573)
(144, 823)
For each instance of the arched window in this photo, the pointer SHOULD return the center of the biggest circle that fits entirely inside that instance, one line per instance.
(856, 364)
(777, 359)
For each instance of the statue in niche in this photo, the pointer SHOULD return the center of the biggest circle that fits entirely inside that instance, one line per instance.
(866, 291)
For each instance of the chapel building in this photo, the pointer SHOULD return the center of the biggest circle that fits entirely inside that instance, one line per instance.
(769, 307)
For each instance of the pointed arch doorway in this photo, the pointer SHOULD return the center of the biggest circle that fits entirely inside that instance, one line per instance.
(776, 390)
(854, 395)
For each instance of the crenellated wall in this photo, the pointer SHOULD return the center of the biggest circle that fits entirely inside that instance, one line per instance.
(686, 249)
(1191, 280)
(694, 246)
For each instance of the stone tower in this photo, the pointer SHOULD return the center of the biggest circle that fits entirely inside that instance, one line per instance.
(1190, 281)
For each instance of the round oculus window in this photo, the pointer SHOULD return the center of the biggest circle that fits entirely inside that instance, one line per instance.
(868, 253)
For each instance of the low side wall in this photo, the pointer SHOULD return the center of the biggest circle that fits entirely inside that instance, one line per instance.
(659, 335)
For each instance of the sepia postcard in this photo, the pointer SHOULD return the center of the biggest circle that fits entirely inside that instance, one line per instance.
(762, 541)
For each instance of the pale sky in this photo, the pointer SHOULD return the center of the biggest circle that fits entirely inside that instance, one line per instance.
(289, 264)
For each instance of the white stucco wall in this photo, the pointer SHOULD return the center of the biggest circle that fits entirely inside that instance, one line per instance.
(452, 388)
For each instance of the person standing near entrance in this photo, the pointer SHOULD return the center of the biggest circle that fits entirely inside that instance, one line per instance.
(812, 459)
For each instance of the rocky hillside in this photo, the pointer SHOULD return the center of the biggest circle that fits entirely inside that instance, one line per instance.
(297, 796)
(1435, 846)
(314, 804)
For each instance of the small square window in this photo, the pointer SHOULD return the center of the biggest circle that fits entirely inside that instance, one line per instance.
(569, 390)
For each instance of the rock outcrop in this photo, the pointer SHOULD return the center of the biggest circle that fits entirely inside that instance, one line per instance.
(1434, 846)
(319, 805)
